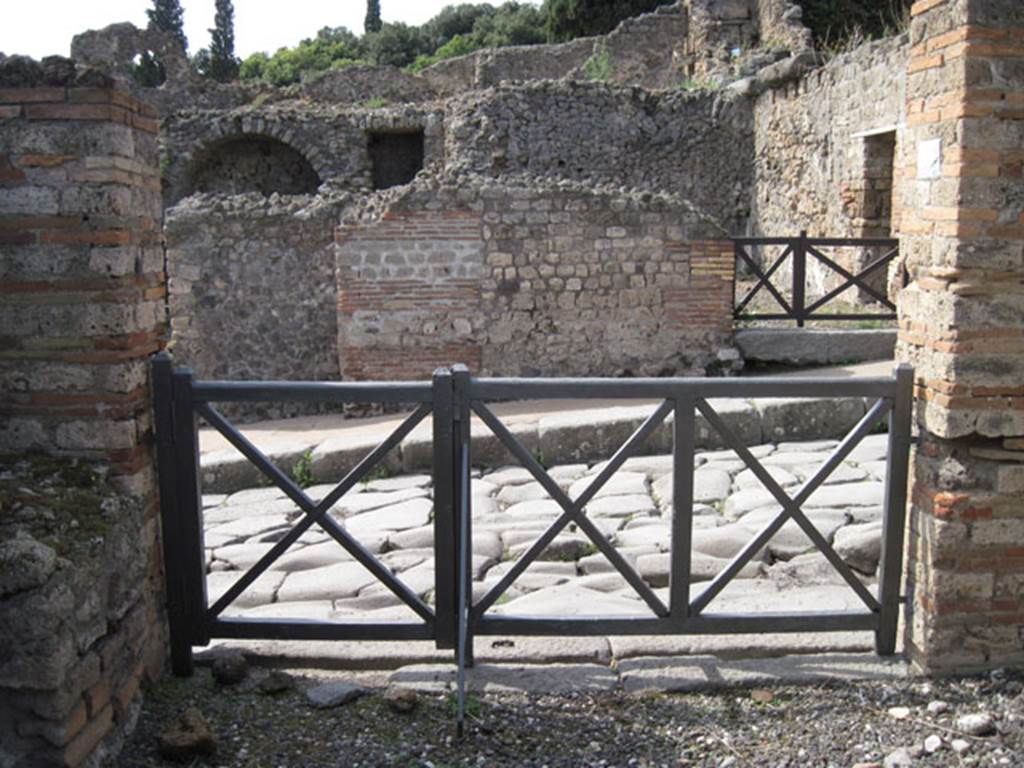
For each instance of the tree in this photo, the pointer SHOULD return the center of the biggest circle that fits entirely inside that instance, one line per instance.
(568, 19)
(330, 49)
(396, 44)
(372, 22)
(167, 16)
(219, 62)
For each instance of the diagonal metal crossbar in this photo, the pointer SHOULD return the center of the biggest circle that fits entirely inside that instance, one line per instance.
(316, 513)
(853, 279)
(791, 507)
(572, 510)
(763, 279)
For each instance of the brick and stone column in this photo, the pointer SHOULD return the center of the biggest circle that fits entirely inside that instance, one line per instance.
(961, 197)
(81, 309)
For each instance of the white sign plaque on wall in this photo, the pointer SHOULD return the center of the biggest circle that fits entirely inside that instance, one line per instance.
(929, 159)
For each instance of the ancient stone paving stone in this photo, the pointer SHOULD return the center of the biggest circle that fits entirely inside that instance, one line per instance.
(531, 580)
(514, 494)
(519, 536)
(725, 541)
(509, 475)
(860, 545)
(399, 483)
(876, 469)
(655, 568)
(358, 503)
(314, 556)
(659, 536)
(327, 583)
(313, 535)
(319, 610)
(419, 579)
(597, 564)
(652, 466)
(564, 547)
(728, 454)
(250, 526)
(403, 559)
(413, 513)
(621, 506)
(213, 499)
(863, 494)
(545, 508)
(790, 540)
(260, 592)
(807, 446)
(362, 604)
(572, 600)
(865, 514)
(229, 514)
(619, 484)
(487, 544)
(254, 496)
(871, 448)
(215, 541)
(565, 474)
(242, 556)
(844, 473)
(782, 476)
(612, 581)
(804, 570)
(478, 487)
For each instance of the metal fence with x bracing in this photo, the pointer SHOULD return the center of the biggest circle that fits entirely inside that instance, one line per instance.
(453, 398)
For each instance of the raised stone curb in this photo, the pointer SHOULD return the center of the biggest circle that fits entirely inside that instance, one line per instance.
(800, 346)
(562, 438)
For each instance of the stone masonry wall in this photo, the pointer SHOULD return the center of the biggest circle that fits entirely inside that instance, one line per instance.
(81, 310)
(334, 140)
(533, 281)
(252, 289)
(824, 148)
(694, 145)
(961, 192)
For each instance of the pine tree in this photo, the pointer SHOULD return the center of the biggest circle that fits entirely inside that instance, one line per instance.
(223, 66)
(372, 22)
(167, 16)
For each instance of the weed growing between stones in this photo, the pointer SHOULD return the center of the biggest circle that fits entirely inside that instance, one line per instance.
(302, 470)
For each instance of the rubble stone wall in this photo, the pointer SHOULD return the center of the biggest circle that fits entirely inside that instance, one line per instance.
(960, 188)
(252, 289)
(694, 145)
(333, 140)
(82, 308)
(532, 281)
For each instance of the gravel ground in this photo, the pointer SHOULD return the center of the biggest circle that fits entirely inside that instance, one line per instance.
(908, 722)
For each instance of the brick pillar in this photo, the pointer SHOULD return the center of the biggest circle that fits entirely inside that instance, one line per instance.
(961, 199)
(81, 309)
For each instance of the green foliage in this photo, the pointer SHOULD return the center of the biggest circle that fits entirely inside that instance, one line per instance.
(302, 470)
(218, 62)
(147, 70)
(167, 16)
(599, 66)
(372, 22)
(396, 44)
(569, 19)
(459, 45)
(376, 102)
(330, 49)
(834, 23)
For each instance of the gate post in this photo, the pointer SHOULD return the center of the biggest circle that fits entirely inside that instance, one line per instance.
(445, 518)
(800, 278)
(463, 506)
(170, 487)
(890, 570)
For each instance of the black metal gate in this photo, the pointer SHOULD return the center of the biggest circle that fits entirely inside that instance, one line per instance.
(452, 397)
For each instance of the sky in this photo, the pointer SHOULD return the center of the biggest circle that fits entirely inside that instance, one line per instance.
(45, 27)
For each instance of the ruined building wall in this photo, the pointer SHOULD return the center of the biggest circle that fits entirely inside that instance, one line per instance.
(531, 279)
(82, 308)
(695, 145)
(332, 140)
(809, 160)
(252, 289)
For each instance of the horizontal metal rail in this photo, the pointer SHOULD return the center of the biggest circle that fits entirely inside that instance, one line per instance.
(664, 389)
(297, 629)
(310, 392)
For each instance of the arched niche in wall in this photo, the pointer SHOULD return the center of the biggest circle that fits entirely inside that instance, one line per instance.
(251, 163)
